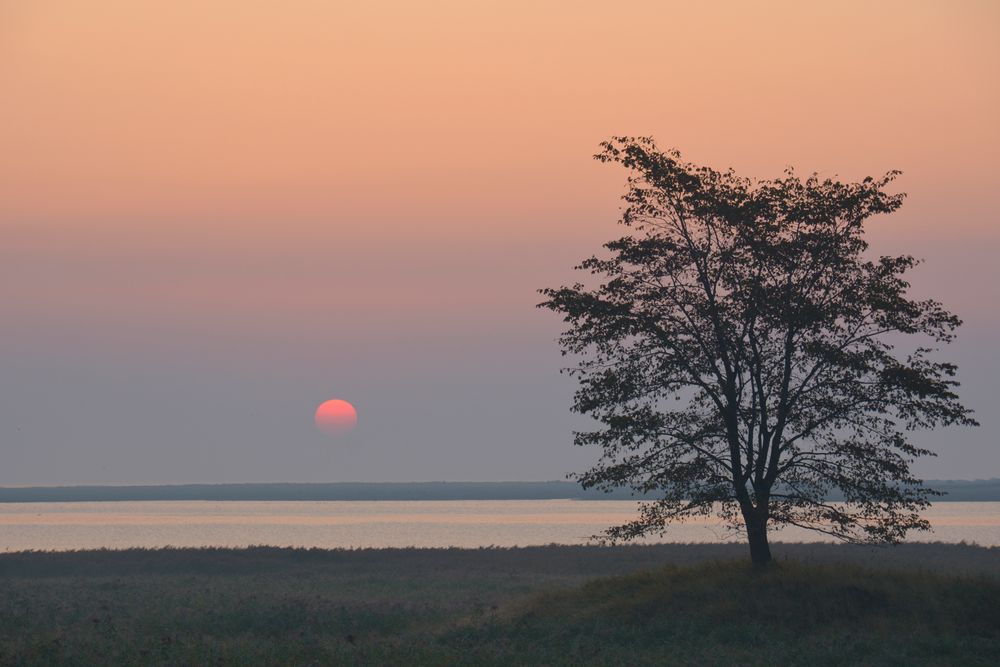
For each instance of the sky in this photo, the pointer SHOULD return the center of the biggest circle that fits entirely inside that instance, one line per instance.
(217, 214)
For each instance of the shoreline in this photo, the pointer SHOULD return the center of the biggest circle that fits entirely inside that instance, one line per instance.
(571, 560)
(987, 490)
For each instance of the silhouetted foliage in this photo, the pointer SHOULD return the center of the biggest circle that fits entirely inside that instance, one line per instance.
(740, 354)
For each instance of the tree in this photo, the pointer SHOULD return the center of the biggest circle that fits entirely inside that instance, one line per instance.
(741, 355)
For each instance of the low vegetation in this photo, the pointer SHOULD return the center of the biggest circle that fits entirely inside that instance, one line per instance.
(919, 604)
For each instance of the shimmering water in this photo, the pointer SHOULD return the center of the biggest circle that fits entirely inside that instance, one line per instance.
(444, 523)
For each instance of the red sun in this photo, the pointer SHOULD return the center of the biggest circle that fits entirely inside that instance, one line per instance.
(336, 417)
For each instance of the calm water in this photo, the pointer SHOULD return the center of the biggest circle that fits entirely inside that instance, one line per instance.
(332, 524)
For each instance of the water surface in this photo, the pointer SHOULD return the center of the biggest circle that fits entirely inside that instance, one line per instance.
(347, 524)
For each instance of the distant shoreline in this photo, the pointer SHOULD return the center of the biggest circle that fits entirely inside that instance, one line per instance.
(955, 491)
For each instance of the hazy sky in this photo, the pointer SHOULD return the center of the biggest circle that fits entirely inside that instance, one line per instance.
(216, 214)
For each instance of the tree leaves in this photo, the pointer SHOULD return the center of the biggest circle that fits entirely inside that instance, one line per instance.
(738, 351)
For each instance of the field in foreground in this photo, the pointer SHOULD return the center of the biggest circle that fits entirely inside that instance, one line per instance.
(918, 604)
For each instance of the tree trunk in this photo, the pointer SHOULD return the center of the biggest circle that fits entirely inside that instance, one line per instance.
(760, 550)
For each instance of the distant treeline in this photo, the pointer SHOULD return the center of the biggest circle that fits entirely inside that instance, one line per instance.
(955, 490)
(322, 491)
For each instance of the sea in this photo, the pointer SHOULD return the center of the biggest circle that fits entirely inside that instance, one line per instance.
(379, 524)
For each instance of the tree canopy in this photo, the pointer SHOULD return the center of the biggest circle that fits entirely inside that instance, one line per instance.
(745, 356)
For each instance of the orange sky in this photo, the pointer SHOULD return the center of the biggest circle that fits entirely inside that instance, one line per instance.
(233, 177)
(317, 111)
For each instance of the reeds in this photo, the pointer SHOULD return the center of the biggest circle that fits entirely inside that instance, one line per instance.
(659, 604)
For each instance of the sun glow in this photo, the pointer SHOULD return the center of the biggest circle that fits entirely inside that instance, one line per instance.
(336, 417)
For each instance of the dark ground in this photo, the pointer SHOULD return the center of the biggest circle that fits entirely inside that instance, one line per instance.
(915, 604)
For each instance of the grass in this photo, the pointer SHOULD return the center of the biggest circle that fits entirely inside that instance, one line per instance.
(662, 604)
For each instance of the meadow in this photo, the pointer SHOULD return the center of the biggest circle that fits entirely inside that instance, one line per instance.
(822, 604)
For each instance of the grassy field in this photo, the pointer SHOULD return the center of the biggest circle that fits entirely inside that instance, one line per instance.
(919, 604)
